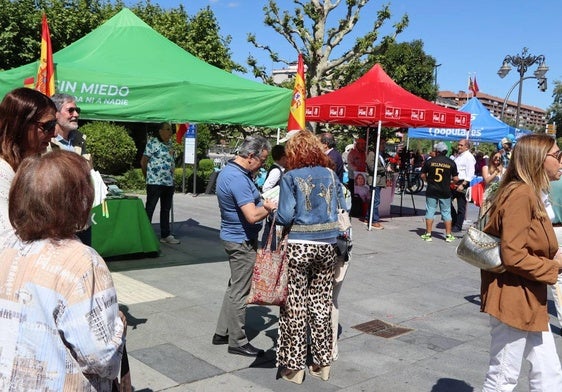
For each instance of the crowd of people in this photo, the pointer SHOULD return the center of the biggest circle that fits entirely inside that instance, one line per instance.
(64, 286)
(516, 208)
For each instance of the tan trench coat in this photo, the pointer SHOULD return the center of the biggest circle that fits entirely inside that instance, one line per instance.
(518, 297)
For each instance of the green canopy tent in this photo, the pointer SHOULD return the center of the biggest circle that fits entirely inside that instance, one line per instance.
(126, 71)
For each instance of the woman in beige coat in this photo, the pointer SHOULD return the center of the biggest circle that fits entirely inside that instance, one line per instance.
(516, 299)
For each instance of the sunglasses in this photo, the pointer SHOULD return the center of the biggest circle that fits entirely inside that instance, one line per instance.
(556, 155)
(74, 109)
(47, 127)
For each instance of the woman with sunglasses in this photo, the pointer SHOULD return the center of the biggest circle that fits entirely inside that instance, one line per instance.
(493, 171)
(516, 299)
(27, 124)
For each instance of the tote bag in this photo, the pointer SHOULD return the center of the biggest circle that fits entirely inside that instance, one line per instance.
(270, 278)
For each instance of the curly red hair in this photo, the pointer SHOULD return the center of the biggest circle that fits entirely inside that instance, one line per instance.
(305, 150)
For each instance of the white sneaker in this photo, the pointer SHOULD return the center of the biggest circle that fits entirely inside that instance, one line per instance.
(170, 240)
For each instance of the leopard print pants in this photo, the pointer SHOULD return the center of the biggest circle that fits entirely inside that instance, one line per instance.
(309, 304)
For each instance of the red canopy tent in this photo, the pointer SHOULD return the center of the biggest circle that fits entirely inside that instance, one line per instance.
(375, 99)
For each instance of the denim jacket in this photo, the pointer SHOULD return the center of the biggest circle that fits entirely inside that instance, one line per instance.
(308, 200)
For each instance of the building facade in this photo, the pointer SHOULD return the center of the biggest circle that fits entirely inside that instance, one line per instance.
(530, 117)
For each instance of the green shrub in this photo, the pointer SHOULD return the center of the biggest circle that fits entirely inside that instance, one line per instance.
(178, 177)
(132, 180)
(112, 149)
(200, 182)
(206, 165)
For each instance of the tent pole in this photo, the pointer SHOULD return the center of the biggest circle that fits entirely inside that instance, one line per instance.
(377, 149)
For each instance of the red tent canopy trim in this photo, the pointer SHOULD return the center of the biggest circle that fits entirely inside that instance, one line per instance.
(376, 97)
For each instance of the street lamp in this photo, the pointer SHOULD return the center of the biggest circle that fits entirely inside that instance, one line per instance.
(523, 61)
(435, 74)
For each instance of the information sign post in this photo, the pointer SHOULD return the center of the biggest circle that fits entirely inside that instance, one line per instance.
(190, 153)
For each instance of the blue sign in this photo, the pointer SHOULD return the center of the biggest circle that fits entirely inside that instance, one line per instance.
(191, 132)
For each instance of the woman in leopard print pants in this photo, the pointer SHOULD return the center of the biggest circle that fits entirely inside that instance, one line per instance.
(309, 197)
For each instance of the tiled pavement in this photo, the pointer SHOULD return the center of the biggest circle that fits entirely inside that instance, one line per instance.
(172, 304)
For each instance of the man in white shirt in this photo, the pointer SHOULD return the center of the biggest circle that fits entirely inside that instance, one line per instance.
(465, 162)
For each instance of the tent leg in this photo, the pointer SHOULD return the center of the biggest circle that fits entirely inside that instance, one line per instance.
(401, 200)
(172, 218)
(413, 204)
(377, 149)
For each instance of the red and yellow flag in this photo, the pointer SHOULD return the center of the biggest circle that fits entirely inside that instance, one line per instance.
(475, 88)
(296, 120)
(46, 72)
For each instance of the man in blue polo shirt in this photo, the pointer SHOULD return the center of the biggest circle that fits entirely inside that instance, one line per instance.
(242, 211)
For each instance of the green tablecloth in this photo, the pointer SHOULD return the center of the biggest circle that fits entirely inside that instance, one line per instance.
(126, 230)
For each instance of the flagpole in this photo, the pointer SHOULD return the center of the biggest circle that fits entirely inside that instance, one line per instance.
(469, 87)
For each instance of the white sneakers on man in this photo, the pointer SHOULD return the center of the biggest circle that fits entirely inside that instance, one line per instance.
(170, 240)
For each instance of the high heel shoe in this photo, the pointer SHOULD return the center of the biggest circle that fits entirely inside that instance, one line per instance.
(295, 376)
(321, 372)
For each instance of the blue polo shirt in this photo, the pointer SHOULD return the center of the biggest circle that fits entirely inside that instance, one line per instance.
(235, 188)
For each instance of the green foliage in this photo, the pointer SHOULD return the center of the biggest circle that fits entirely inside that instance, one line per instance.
(206, 166)
(20, 25)
(409, 66)
(554, 112)
(206, 43)
(132, 180)
(201, 180)
(112, 149)
(70, 20)
(204, 140)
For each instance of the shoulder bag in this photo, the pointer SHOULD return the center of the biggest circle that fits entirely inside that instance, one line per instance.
(271, 272)
(344, 221)
(480, 249)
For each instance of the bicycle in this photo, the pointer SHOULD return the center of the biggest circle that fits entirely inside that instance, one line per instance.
(409, 181)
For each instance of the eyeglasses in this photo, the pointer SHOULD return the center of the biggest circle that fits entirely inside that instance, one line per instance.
(74, 109)
(262, 160)
(556, 155)
(47, 127)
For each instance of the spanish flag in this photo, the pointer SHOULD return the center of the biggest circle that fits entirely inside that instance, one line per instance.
(296, 120)
(475, 88)
(181, 129)
(46, 72)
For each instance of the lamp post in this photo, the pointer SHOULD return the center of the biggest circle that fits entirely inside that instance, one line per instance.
(523, 61)
(435, 74)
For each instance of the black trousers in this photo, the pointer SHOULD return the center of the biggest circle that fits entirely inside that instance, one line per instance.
(459, 213)
(164, 194)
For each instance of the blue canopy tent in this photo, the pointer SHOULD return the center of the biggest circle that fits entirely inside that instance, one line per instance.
(483, 127)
